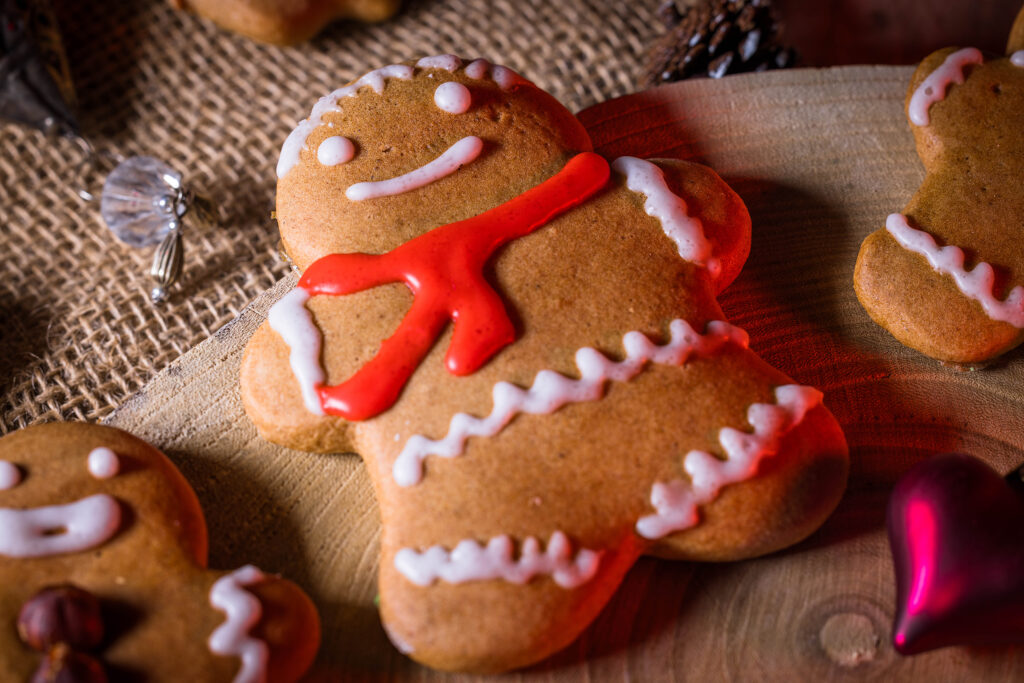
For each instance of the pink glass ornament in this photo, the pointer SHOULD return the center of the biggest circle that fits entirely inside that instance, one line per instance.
(956, 529)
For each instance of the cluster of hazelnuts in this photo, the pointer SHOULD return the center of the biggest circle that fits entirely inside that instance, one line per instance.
(64, 623)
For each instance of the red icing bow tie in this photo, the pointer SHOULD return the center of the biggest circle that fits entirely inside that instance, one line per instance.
(444, 270)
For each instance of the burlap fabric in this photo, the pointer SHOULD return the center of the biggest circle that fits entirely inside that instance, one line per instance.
(78, 334)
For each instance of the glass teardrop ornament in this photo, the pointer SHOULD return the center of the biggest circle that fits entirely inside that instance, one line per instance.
(142, 200)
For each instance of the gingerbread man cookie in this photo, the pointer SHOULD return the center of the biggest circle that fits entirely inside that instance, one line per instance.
(99, 509)
(286, 22)
(946, 276)
(521, 339)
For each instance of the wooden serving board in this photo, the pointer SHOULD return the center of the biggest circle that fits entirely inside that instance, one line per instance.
(820, 157)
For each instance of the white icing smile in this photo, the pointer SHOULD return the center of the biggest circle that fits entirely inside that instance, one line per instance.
(59, 529)
(455, 157)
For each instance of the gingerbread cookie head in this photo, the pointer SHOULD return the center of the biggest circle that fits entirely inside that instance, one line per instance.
(527, 352)
(419, 155)
(285, 22)
(102, 510)
(946, 275)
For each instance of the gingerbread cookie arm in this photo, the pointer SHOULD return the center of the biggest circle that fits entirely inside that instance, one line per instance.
(724, 217)
(289, 625)
(272, 390)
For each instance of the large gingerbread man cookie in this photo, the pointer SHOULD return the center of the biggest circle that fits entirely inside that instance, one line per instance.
(103, 511)
(521, 339)
(946, 276)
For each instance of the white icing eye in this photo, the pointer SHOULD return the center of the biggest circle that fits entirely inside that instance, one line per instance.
(10, 475)
(103, 463)
(452, 97)
(335, 150)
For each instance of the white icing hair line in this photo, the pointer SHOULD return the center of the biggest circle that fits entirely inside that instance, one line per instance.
(243, 610)
(296, 141)
(452, 159)
(976, 284)
(675, 502)
(469, 561)
(59, 529)
(290, 318)
(933, 88)
(551, 390)
(687, 232)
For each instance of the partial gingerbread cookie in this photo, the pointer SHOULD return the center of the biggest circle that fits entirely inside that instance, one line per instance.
(521, 339)
(286, 22)
(946, 276)
(102, 570)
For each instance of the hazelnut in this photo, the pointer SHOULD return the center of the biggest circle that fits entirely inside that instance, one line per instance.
(64, 665)
(61, 614)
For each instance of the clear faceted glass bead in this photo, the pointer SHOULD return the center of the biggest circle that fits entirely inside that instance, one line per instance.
(141, 201)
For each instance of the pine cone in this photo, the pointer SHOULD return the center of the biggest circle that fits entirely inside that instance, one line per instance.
(714, 38)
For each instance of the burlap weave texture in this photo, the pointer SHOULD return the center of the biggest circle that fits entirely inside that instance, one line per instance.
(78, 334)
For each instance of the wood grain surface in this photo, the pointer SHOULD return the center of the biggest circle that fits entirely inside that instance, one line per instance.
(820, 157)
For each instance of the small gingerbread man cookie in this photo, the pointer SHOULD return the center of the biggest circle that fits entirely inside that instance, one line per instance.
(946, 276)
(521, 339)
(286, 22)
(99, 509)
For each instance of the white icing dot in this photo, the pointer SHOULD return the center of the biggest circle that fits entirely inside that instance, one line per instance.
(452, 97)
(10, 475)
(1017, 58)
(103, 463)
(335, 150)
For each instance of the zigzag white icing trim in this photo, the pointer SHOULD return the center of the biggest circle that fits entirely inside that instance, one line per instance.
(290, 318)
(551, 390)
(243, 610)
(469, 561)
(687, 232)
(676, 501)
(933, 88)
(949, 260)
